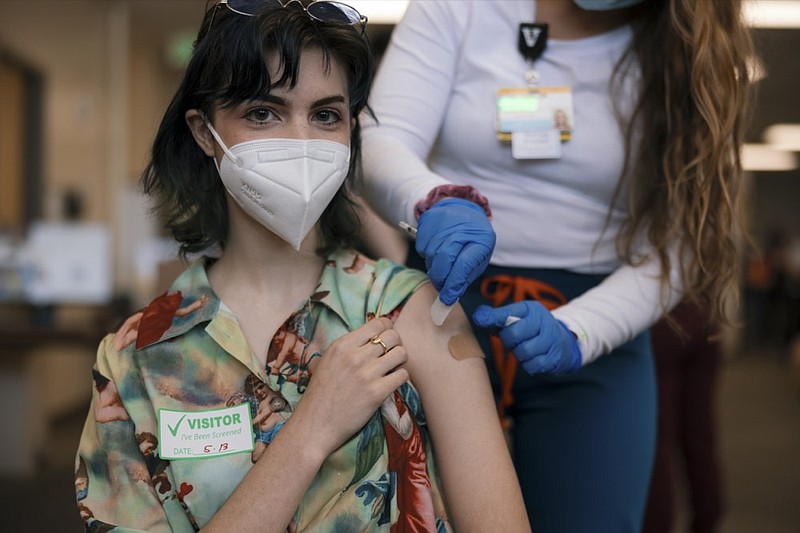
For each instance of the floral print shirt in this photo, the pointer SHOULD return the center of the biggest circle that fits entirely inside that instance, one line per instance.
(182, 409)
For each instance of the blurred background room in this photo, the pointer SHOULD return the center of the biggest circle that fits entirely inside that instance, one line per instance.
(83, 85)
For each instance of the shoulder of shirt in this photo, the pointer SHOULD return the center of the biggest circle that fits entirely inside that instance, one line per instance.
(348, 263)
(356, 287)
(188, 302)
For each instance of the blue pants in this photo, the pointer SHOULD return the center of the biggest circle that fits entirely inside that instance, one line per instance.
(583, 444)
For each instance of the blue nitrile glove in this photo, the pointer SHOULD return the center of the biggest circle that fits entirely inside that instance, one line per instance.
(456, 239)
(542, 344)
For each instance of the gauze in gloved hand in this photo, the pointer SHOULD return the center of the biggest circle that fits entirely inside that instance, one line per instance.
(540, 342)
(456, 239)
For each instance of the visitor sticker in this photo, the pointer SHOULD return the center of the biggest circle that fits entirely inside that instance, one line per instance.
(209, 433)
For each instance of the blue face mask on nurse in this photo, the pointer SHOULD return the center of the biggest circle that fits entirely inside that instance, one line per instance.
(605, 5)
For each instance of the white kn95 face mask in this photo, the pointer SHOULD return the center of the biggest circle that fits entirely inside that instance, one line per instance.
(284, 184)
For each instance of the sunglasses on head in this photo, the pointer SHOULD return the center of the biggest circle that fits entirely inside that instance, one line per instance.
(325, 11)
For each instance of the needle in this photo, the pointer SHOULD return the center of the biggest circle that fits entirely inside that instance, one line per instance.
(439, 311)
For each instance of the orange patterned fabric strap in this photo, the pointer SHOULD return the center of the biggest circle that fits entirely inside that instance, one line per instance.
(498, 290)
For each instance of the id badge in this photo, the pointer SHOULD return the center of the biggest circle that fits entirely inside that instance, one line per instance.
(534, 120)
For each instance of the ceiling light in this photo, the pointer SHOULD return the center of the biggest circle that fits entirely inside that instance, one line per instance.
(772, 13)
(766, 158)
(783, 137)
(381, 11)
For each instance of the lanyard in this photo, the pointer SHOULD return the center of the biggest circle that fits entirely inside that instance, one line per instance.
(531, 44)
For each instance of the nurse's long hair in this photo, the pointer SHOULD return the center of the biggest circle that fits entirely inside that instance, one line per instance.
(687, 181)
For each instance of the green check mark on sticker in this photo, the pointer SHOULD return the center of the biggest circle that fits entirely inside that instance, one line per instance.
(175, 429)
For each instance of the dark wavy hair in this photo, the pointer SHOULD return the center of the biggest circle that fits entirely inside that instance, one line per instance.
(227, 67)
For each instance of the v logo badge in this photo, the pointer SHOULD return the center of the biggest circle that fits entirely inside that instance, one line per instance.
(532, 40)
(531, 35)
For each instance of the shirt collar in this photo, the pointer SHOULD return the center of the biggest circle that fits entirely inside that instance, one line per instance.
(190, 300)
(347, 273)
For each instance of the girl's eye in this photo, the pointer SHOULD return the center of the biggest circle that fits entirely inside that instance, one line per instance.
(328, 117)
(259, 114)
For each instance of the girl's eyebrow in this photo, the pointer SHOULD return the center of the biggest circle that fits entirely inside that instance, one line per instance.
(330, 100)
(271, 98)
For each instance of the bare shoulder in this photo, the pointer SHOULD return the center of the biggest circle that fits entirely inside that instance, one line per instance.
(443, 348)
(415, 319)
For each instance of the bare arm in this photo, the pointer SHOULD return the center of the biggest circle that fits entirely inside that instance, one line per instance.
(480, 484)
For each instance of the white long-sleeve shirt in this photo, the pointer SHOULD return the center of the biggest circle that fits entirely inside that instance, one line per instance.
(435, 100)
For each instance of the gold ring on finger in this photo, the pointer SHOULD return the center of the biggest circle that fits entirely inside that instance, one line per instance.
(377, 340)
